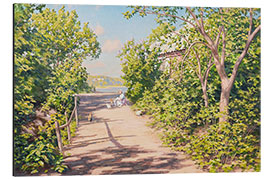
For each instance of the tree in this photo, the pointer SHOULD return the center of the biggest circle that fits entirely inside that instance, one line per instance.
(140, 67)
(200, 63)
(227, 33)
(43, 41)
(66, 46)
(64, 37)
(175, 103)
(29, 72)
(49, 48)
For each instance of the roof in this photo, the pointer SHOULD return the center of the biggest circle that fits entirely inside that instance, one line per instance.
(174, 53)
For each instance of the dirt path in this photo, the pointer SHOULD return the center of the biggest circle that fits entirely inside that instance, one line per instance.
(118, 142)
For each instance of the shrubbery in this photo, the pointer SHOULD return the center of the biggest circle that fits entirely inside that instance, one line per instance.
(49, 48)
(218, 140)
(190, 127)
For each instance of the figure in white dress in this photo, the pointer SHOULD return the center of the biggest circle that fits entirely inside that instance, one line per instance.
(121, 100)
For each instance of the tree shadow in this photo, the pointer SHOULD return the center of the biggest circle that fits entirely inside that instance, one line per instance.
(89, 103)
(123, 160)
(95, 141)
(119, 159)
(109, 137)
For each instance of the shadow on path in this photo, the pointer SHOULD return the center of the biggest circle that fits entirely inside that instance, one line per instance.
(122, 161)
(119, 159)
(94, 155)
(90, 103)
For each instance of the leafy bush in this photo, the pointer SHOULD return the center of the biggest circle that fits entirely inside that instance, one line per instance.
(190, 127)
(41, 154)
(140, 68)
(176, 98)
(225, 147)
(35, 155)
(38, 155)
(49, 48)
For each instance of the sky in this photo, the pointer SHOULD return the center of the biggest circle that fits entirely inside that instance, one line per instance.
(113, 31)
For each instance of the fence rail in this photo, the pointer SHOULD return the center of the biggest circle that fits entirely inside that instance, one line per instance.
(66, 125)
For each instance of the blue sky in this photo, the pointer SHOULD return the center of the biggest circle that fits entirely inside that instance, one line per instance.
(113, 30)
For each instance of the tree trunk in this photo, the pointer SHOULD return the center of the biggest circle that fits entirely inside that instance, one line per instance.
(226, 83)
(223, 106)
(205, 96)
(224, 100)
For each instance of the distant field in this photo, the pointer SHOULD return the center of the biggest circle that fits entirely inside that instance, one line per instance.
(112, 86)
(111, 89)
(104, 81)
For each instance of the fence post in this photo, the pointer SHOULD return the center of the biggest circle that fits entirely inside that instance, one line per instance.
(58, 134)
(68, 129)
(76, 109)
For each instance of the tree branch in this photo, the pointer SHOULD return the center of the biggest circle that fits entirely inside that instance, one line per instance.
(199, 66)
(202, 24)
(223, 54)
(201, 30)
(218, 36)
(170, 15)
(191, 45)
(187, 53)
(206, 74)
(243, 54)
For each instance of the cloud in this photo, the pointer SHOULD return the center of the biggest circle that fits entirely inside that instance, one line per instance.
(99, 30)
(111, 45)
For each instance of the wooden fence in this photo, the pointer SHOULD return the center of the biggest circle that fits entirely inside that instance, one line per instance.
(66, 125)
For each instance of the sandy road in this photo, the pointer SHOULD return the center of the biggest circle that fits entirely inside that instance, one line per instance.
(119, 142)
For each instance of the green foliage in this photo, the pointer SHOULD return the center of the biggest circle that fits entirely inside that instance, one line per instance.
(26, 65)
(190, 127)
(175, 99)
(140, 66)
(49, 48)
(225, 147)
(41, 154)
(35, 155)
